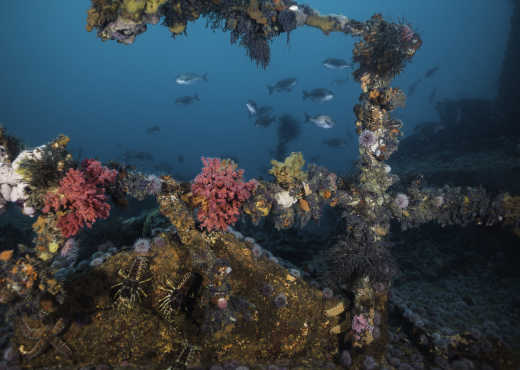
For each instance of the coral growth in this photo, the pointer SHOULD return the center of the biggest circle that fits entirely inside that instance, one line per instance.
(221, 192)
(80, 199)
(385, 48)
(367, 139)
(290, 171)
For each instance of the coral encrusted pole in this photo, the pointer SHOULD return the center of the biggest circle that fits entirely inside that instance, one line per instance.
(361, 257)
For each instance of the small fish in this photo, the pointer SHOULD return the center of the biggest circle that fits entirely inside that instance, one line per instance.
(251, 108)
(431, 72)
(265, 120)
(335, 63)
(322, 121)
(319, 95)
(180, 158)
(412, 87)
(335, 142)
(151, 130)
(190, 78)
(283, 85)
(186, 100)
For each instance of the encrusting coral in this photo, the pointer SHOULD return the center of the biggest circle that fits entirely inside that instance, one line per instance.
(290, 171)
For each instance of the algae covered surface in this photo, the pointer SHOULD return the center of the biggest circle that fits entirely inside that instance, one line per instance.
(253, 328)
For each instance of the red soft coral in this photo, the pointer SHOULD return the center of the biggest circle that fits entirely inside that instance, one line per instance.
(223, 192)
(80, 199)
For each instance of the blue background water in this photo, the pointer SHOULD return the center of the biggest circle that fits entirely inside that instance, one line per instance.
(57, 78)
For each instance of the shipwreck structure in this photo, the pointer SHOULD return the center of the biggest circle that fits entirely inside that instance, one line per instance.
(200, 294)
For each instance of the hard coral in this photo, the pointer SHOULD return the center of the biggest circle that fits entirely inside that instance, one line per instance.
(222, 191)
(80, 198)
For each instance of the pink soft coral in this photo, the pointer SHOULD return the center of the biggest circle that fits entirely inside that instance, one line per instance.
(80, 199)
(222, 191)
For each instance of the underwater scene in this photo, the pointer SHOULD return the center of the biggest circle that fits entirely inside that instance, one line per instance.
(260, 184)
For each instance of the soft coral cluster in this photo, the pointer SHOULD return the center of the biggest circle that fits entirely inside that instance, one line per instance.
(222, 190)
(80, 198)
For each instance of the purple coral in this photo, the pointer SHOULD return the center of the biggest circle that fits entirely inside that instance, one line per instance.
(142, 246)
(154, 184)
(70, 249)
(402, 201)
(257, 250)
(327, 293)
(367, 138)
(359, 323)
(159, 242)
(407, 34)
(222, 303)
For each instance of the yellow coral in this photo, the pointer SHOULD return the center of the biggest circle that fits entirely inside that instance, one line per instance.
(40, 224)
(152, 6)
(60, 142)
(53, 247)
(178, 28)
(263, 207)
(324, 23)
(25, 173)
(290, 171)
(92, 19)
(133, 8)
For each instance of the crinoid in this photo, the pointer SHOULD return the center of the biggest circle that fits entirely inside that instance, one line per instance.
(46, 336)
(130, 291)
(180, 296)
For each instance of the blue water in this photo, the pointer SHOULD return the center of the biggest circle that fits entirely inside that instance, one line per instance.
(55, 77)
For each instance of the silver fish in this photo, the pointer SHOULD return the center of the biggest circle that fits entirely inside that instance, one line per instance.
(190, 78)
(319, 95)
(322, 120)
(335, 63)
(283, 85)
(251, 108)
(187, 99)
